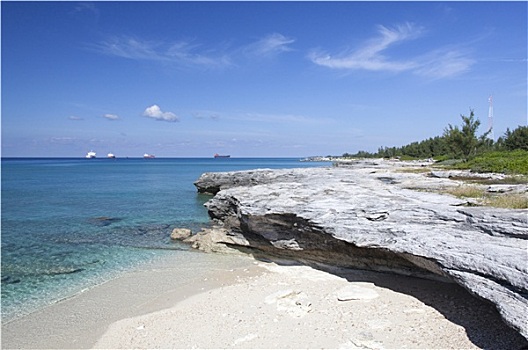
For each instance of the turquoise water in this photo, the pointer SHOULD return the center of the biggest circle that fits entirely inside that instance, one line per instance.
(68, 224)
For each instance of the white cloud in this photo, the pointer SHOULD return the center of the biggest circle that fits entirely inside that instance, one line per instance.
(181, 52)
(270, 45)
(369, 56)
(73, 117)
(439, 63)
(62, 140)
(276, 119)
(206, 115)
(190, 53)
(110, 116)
(128, 47)
(446, 64)
(86, 6)
(156, 113)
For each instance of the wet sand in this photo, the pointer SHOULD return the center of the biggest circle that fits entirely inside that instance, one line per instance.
(237, 302)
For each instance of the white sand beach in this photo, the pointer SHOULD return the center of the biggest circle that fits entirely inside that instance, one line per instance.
(79, 321)
(244, 303)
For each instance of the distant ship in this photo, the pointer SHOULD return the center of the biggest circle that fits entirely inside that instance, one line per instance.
(90, 155)
(222, 156)
(110, 155)
(146, 155)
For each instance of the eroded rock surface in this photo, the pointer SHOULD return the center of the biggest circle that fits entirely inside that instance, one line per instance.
(371, 216)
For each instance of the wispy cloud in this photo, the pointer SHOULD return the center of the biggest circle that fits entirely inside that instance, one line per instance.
(156, 113)
(443, 64)
(127, 47)
(184, 53)
(272, 44)
(190, 53)
(73, 117)
(111, 116)
(258, 117)
(440, 63)
(369, 56)
(274, 119)
(86, 6)
(62, 140)
(206, 115)
(278, 118)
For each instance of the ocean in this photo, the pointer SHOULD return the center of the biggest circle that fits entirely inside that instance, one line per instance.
(69, 224)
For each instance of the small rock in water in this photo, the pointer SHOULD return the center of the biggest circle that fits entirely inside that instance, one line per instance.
(10, 280)
(104, 220)
(64, 271)
(180, 233)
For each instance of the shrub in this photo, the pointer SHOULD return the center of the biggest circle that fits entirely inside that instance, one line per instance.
(507, 162)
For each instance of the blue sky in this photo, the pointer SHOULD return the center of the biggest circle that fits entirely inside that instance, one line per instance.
(254, 79)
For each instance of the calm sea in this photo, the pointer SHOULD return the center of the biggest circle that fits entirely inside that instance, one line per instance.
(69, 224)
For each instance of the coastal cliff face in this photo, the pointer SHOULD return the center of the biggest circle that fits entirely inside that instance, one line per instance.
(373, 216)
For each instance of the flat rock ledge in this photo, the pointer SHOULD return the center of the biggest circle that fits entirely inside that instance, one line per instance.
(371, 215)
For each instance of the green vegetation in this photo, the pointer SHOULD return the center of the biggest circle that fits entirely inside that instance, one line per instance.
(463, 143)
(461, 148)
(507, 162)
(516, 139)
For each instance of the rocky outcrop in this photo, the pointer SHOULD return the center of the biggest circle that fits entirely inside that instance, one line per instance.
(371, 216)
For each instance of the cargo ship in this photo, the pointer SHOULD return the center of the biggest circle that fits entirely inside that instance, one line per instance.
(222, 155)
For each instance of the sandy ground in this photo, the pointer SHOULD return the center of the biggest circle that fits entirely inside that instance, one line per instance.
(79, 321)
(245, 303)
(302, 307)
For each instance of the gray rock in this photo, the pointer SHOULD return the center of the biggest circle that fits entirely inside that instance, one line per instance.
(465, 173)
(508, 188)
(354, 217)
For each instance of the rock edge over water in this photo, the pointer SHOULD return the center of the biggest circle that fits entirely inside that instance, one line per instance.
(372, 216)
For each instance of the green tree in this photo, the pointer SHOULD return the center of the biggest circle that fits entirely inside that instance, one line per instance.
(463, 142)
(516, 139)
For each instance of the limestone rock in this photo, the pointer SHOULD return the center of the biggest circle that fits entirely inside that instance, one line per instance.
(217, 240)
(180, 233)
(508, 188)
(353, 216)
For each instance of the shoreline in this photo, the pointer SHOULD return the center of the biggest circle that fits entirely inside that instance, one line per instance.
(79, 321)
